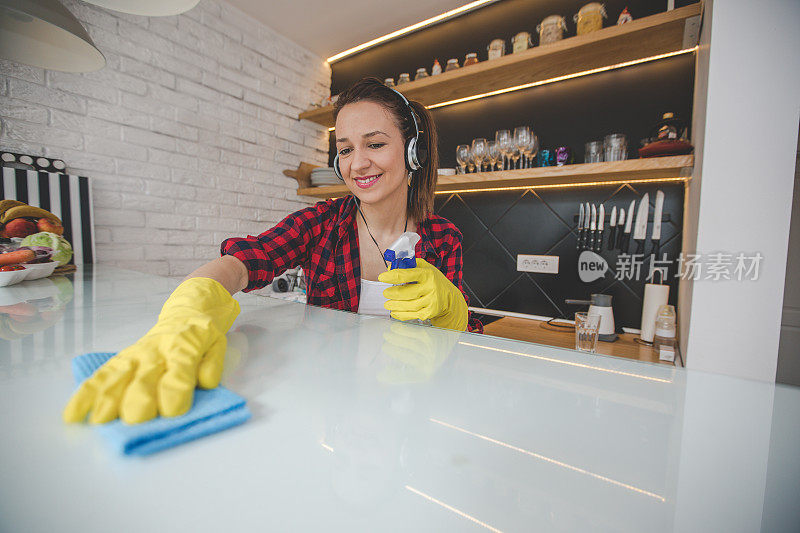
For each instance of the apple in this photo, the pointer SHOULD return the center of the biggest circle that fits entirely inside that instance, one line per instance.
(45, 224)
(20, 227)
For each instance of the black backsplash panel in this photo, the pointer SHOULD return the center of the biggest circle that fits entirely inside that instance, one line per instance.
(497, 226)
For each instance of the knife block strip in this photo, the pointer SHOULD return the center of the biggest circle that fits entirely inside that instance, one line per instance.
(607, 220)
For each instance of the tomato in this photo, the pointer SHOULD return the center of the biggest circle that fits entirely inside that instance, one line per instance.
(9, 268)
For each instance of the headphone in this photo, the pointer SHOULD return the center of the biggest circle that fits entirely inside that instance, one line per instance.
(416, 154)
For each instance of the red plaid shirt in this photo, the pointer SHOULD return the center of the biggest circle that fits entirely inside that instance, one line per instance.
(323, 239)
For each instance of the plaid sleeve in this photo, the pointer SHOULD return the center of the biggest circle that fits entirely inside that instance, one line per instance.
(452, 264)
(286, 245)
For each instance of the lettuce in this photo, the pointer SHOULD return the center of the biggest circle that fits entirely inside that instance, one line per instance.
(62, 250)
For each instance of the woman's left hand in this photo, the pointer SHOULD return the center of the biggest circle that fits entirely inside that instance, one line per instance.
(425, 293)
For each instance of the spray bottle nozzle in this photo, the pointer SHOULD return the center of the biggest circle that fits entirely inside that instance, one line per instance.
(401, 254)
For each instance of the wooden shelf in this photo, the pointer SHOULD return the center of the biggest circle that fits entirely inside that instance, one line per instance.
(646, 37)
(654, 168)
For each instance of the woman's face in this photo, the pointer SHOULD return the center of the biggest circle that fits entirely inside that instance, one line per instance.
(370, 148)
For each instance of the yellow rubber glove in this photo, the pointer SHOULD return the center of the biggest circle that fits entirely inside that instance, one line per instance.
(425, 293)
(158, 374)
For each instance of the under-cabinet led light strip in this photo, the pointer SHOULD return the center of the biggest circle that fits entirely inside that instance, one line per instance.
(408, 29)
(557, 186)
(564, 185)
(562, 78)
(557, 79)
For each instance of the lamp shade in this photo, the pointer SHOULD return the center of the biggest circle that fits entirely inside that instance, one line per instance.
(42, 33)
(147, 8)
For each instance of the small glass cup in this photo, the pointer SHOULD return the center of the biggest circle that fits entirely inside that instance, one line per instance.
(586, 332)
(594, 152)
(616, 147)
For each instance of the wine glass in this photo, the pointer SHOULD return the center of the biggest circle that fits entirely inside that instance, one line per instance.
(522, 137)
(494, 154)
(533, 149)
(479, 152)
(503, 139)
(462, 156)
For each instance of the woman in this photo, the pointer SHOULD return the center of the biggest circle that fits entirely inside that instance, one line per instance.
(387, 157)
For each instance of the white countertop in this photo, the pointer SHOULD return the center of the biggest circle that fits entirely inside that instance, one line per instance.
(464, 433)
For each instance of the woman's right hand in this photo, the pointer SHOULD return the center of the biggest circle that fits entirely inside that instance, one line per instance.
(158, 374)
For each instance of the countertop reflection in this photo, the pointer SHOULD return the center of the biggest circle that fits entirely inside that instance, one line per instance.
(364, 423)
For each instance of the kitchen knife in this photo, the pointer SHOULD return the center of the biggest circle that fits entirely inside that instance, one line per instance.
(592, 227)
(601, 218)
(621, 224)
(586, 218)
(580, 227)
(640, 228)
(612, 232)
(655, 237)
(628, 224)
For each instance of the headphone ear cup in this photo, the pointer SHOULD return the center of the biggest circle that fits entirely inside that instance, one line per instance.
(412, 161)
(336, 167)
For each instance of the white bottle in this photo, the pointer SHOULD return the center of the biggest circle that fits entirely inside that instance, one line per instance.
(664, 341)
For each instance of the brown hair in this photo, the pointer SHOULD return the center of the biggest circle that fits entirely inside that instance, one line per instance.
(423, 181)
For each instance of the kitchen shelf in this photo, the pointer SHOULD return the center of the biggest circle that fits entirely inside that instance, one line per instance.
(657, 34)
(655, 168)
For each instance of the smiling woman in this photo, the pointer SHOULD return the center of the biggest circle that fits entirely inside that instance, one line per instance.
(386, 155)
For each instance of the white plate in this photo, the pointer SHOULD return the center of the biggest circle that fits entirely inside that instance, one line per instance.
(40, 270)
(12, 277)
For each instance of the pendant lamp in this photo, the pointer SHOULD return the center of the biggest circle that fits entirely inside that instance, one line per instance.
(42, 33)
(147, 8)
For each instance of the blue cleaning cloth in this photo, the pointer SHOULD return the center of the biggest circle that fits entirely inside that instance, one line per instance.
(213, 410)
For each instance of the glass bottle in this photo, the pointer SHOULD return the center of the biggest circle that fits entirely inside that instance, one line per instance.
(452, 64)
(436, 68)
(404, 78)
(471, 59)
(421, 73)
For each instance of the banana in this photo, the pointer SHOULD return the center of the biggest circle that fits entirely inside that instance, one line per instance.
(5, 205)
(27, 211)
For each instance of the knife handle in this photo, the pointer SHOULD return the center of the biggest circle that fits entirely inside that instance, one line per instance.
(639, 246)
(580, 238)
(612, 237)
(598, 242)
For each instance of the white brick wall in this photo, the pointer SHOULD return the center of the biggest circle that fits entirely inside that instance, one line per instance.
(184, 133)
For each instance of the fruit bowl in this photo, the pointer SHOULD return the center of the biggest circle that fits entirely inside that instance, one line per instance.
(13, 276)
(40, 270)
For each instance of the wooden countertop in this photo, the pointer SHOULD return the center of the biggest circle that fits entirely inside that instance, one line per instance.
(529, 330)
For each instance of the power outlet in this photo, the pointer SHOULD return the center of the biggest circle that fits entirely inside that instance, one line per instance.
(540, 264)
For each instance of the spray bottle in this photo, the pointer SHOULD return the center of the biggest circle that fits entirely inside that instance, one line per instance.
(401, 254)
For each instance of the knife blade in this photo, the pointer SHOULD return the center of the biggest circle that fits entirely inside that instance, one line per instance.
(601, 218)
(655, 237)
(621, 224)
(628, 225)
(640, 228)
(586, 218)
(612, 233)
(592, 227)
(580, 227)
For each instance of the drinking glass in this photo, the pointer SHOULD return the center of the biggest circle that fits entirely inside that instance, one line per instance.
(586, 332)
(594, 152)
(616, 147)
(533, 149)
(462, 156)
(522, 136)
(494, 154)
(503, 138)
(479, 152)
